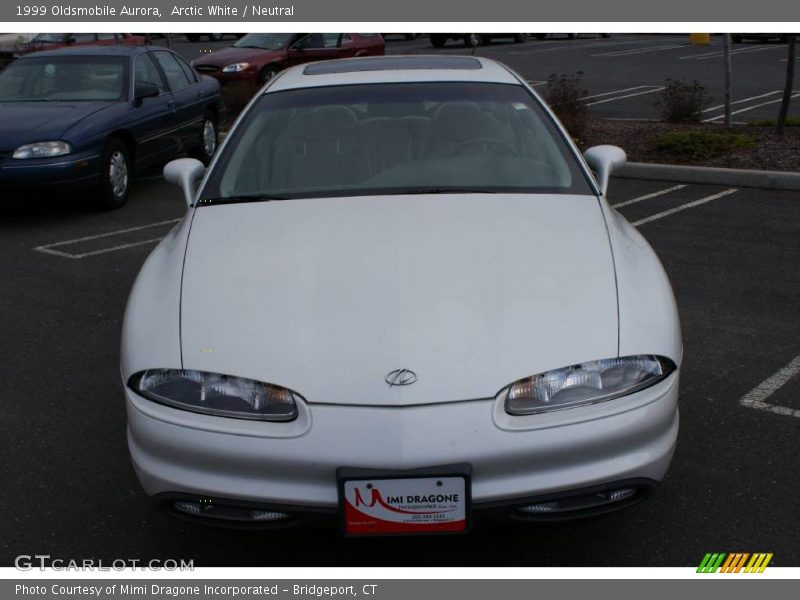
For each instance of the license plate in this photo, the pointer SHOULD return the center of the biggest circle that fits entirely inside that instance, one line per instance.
(394, 505)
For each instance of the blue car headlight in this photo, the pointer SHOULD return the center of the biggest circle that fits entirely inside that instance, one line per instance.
(42, 150)
(216, 394)
(585, 383)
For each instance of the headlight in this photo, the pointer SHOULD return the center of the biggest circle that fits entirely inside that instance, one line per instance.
(42, 150)
(214, 394)
(586, 383)
(235, 67)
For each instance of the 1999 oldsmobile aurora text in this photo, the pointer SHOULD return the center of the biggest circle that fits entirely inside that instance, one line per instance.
(400, 299)
(191, 10)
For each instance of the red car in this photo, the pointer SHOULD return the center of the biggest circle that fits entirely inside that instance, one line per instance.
(257, 57)
(52, 41)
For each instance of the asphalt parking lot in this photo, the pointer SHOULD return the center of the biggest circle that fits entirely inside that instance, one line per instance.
(734, 260)
(623, 74)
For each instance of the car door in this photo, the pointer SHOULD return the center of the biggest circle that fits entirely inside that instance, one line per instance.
(153, 118)
(189, 100)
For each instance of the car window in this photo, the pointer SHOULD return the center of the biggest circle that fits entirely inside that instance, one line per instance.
(188, 71)
(145, 71)
(331, 40)
(311, 41)
(399, 138)
(79, 38)
(63, 78)
(176, 76)
(346, 38)
(265, 41)
(106, 36)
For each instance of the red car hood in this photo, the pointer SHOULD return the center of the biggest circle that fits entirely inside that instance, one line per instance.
(232, 55)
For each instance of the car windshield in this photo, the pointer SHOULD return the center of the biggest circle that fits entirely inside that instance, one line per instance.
(265, 41)
(63, 78)
(395, 138)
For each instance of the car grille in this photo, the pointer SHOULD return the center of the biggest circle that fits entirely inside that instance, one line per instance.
(206, 68)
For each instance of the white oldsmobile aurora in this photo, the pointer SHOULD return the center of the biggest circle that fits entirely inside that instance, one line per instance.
(400, 298)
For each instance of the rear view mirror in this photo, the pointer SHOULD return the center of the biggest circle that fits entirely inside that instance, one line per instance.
(145, 90)
(604, 160)
(185, 173)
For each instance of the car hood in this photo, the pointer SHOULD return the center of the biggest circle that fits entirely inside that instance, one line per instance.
(231, 55)
(26, 122)
(328, 296)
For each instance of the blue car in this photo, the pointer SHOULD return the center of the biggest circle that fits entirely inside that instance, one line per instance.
(91, 117)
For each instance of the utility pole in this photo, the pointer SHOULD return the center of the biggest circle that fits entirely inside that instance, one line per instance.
(787, 90)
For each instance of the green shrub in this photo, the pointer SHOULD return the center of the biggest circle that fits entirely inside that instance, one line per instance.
(682, 101)
(702, 145)
(790, 122)
(564, 94)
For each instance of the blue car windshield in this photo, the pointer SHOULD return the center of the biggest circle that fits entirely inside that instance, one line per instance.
(64, 78)
(395, 138)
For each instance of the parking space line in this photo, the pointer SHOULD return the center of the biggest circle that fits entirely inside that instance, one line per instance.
(642, 50)
(637, 87)
(49, 248)
(682, 207)
(648, 196)
(757, 397)
(615, 98)
(742, 100)
(570, 47)
(719, 53)
(747, 108)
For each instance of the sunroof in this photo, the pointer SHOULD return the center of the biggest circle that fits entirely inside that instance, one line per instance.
(390, 63)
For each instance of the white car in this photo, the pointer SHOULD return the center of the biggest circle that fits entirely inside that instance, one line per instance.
(400, 298)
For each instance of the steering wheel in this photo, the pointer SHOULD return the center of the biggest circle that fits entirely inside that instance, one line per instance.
(486, 144)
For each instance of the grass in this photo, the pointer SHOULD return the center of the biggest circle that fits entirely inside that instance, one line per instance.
(702, 145)
(790, 122)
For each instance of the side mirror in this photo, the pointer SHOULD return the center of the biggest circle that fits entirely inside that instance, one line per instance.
(185, 173)
(604, 160)
(144, 90)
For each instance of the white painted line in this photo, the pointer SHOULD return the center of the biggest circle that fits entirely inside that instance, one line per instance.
(757, 397)
(741, 110)
(682, 207)
(642, 50)
(718, 53)
(96, 252)
(571, 47)
(534, 83)
(742, 100)
(48, 248)
(638, 87)
(648, 196)
(110, 233)
(657, 89)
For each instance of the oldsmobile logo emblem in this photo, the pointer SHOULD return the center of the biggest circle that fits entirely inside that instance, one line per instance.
(401, 377)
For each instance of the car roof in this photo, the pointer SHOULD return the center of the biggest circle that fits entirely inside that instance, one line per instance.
(393, 69)
(115, 50)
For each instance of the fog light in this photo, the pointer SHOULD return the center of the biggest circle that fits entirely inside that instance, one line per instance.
(544, 507)
(208, 510)
(622, 494)
(582, 502)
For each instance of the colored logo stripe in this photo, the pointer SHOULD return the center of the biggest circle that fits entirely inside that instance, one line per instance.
(734, 562)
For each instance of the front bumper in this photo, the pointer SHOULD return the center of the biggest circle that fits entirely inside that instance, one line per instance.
(77, 170)
(514, 459)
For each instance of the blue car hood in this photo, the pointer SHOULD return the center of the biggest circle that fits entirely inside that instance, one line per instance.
(26, 122)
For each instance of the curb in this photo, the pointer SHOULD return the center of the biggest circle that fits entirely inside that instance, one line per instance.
(771, 180)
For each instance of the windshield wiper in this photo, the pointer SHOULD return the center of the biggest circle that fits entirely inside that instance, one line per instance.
(243, 198)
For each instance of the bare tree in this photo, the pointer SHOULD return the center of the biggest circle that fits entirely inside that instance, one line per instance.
(787, 90)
